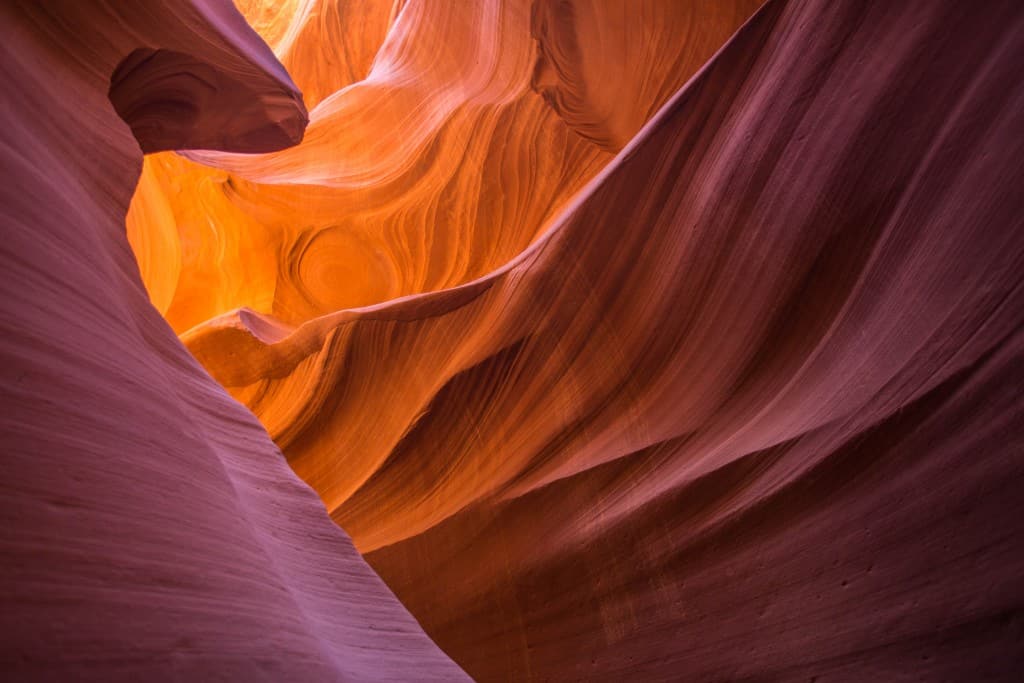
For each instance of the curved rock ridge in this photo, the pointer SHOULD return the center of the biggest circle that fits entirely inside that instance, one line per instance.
(746, 407)
(606, 66)
(151, 529)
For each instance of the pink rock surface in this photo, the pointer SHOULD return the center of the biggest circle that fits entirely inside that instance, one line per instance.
(149, 528)
(766, 375)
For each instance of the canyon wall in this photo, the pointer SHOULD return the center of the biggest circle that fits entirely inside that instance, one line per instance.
(150, 528)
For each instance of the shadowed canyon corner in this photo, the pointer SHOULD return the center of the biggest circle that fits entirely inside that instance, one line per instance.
(512, 340)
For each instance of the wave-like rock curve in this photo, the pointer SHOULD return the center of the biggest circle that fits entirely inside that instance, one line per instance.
(747, 407)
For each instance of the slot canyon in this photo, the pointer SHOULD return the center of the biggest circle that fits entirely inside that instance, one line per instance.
(512, 340)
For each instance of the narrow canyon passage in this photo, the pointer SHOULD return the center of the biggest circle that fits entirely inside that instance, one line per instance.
(622, 340)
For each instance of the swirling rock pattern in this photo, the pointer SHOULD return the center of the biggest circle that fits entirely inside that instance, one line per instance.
(747, 406)
(388, 195)
(151, 530)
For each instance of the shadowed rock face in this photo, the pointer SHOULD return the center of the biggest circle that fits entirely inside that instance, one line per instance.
(170, 101)
(150, 528)
(606, 66)
(741, 402)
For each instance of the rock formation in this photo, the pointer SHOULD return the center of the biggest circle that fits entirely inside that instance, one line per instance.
(624, 344)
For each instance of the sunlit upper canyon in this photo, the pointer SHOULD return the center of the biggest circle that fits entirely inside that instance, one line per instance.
(512, 340)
